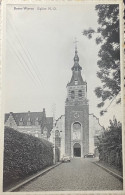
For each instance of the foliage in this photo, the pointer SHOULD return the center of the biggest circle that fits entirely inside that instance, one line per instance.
(110, 144)
(107, 35)
(24, 155)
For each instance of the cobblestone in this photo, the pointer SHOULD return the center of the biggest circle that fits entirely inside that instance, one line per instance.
(78, 175)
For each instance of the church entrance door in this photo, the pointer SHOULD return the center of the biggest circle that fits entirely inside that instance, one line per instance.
(77, 150)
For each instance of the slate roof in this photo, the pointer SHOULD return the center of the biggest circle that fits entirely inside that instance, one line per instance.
(76, 76)
(32, 117)
(76, 72)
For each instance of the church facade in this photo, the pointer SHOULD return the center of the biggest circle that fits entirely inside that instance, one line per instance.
(78, 130)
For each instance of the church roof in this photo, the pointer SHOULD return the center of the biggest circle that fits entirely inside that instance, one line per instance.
(76, 72)
(76, 66)
(76, 77)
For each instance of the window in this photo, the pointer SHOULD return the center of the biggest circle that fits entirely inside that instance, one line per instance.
(72, 94)
(76, 131)
(80, 93)
(21, 122)
(58, 141)
(56, 133)
(29, 122)
(37, 121)
(76, 82)
(76, 126)
(36, 133)
(45, 133)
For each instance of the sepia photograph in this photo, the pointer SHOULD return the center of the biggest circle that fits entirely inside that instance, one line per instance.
(62, 97)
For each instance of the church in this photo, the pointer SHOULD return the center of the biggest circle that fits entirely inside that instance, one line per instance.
(78, 129)
(76, 113)
(74, 133)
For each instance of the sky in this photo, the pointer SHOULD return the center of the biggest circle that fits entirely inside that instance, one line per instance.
(39, 56)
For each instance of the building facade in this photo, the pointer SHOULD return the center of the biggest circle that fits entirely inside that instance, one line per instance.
(76, 113)
(95, 131)
(32, 123)
(58, 135)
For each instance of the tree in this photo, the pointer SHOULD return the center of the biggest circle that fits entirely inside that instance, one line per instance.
(110, 144)
(107, 35)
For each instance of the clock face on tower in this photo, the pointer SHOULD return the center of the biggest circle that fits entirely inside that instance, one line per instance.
(76, 115)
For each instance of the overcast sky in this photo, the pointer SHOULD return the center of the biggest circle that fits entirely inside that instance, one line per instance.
(39, 57)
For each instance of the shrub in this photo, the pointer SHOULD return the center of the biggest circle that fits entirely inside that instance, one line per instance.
(110, 145)
(24, 155)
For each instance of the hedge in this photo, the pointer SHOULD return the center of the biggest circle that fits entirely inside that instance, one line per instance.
(23, 156)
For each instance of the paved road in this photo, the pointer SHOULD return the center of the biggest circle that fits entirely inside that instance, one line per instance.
(80, 174)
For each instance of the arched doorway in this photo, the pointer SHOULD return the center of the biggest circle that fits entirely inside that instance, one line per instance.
(77, 150)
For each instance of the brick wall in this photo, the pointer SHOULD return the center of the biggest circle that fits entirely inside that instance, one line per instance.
(83, 119)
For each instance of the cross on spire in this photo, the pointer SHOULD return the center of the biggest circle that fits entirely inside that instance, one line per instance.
(75, 42)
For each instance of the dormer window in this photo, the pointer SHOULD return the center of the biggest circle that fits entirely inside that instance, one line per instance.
(29, 121)
(72, 94)
(21, 122)
(37, 121)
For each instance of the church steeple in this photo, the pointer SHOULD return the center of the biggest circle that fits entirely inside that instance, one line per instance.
(76, 71)
(76, 66)
(77, 87)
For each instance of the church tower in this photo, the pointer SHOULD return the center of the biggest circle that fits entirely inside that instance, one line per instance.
(76, 113)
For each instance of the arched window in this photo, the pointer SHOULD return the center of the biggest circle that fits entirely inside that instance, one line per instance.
(76, 131)
(80, 93)
(76, 126)
(72, 94)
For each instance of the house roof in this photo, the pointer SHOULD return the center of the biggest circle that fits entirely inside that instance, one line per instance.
(31, 117)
